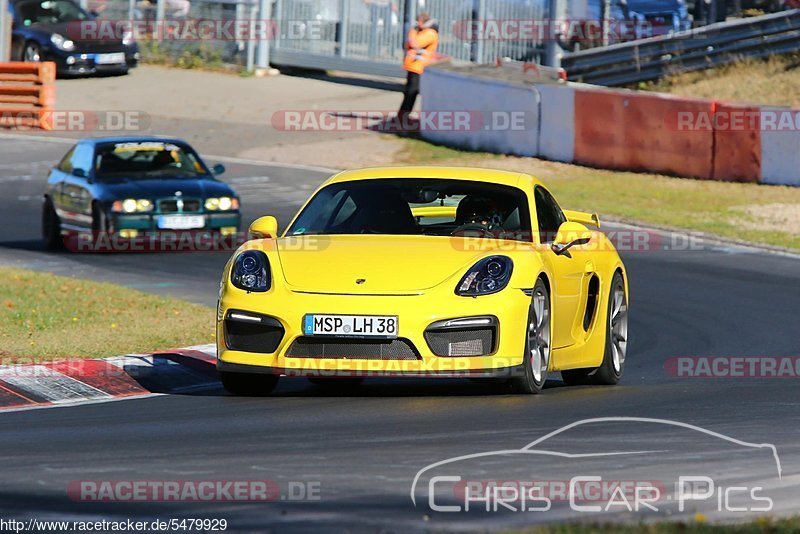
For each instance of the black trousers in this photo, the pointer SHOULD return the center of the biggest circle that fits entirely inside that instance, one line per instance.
(410, 93)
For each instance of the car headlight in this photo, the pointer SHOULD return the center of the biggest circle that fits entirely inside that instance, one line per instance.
(62, 42)
(222, 204)
(127, 38)
(251, 271)
(132, 205)
(488, 276)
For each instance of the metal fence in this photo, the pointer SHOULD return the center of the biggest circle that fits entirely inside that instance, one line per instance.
(354, 35)
(701, 48)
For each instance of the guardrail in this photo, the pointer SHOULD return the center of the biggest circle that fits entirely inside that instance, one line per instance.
(700, 48)
(27, 94)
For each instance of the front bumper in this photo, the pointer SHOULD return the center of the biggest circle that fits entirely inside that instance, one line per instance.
(148, 222)
(416, 313)
(83, 63)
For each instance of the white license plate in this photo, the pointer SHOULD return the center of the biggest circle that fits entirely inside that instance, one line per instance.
(110, 59)
(379, 326)
(181, 222)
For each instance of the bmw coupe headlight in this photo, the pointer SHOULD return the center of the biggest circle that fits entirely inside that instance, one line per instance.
(127, 38)
(222, 204)
(132, 205)
(251, 271)
(488, 276)
(62, 42)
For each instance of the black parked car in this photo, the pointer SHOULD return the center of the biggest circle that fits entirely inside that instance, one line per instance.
(53, 30)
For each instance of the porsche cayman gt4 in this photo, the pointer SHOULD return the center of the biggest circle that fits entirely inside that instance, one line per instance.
(425, 272)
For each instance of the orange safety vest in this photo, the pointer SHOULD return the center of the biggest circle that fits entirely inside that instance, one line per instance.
(420, 49)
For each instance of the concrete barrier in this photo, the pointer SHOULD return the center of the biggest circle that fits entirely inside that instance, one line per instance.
(503, 116)
(737, 143)
(637, 131)
(557, 121)
(780, 146)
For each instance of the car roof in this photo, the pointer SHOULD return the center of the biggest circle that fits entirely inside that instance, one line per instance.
(133, 139)
(509, 178)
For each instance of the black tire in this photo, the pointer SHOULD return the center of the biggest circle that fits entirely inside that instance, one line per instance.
(248, 384)
(31, 50)
(610, 371)
(339, 383)
(51, 227)
(536, 359)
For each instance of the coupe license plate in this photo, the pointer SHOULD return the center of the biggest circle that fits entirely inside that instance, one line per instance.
(181, 222)
(110, 59)
(377, 326)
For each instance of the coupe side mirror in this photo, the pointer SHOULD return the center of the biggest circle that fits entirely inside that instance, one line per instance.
(570, 234)
(219, 168)
(264, 228)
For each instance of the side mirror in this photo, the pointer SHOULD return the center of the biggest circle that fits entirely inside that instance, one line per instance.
(219, 168)
(264, 228)
(570, 234)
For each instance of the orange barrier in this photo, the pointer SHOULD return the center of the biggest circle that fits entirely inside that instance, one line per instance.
(737, 143)
(29, 88)
(643, 132)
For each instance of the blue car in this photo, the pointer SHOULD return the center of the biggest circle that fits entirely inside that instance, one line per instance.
(56, 30)
(127, 187)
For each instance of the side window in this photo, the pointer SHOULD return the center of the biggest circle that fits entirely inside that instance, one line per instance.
(548, 215)
(66, 162)
(81, 160)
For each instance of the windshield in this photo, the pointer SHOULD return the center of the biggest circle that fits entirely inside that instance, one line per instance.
(417, 206)
(147, 160)
(50, 12)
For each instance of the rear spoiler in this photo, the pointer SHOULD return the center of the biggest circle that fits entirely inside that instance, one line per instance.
(583, 217)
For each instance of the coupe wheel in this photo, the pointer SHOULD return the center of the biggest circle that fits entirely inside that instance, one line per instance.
(537, 343)
(249, 385)
(616, 347)
(32, 52)
(51, 227)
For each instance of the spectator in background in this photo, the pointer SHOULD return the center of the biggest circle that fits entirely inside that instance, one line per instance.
(420, 50)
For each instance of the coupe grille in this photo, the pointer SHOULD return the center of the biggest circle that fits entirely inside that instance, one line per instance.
(176, 205)
(353, 349)
(461, 342)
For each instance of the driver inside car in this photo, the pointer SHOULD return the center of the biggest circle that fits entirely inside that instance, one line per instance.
(478, 214)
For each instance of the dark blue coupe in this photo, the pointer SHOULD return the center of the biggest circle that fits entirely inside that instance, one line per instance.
(127, 187)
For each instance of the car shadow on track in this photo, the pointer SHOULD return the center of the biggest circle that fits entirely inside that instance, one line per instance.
(179, 374)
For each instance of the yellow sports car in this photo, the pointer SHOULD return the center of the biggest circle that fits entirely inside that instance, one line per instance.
(425, 272)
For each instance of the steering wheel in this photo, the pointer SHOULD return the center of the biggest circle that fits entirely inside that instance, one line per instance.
(472, 230)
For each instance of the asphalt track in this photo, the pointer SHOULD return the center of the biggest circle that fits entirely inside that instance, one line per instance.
(363, 449)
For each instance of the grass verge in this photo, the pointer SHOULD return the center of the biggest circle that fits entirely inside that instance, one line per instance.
(774, 81)
(762, 525)
(768, 215)
(47, 317)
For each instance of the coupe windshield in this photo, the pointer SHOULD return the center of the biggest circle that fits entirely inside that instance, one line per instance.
(147, 160)
(50, 12)
(417, 206)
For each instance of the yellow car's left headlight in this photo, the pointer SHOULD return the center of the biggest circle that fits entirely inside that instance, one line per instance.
(251, 271)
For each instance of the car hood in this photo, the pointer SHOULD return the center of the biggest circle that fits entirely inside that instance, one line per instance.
(385, 264)
(158, 188)
(80, 32)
